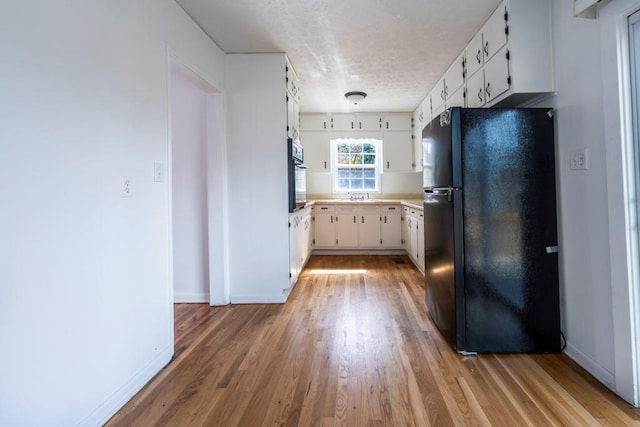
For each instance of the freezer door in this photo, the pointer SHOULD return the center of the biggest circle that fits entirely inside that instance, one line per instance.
(436, 154)
(440, 289)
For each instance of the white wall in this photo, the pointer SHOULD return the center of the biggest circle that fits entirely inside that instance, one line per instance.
(85, 296)
(189, 188)
(257, 178)
(593, 253)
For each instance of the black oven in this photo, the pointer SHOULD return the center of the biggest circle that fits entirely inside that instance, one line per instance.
(297, 176)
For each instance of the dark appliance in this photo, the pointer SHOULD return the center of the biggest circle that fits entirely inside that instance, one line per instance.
(491, 263)
(297, 176)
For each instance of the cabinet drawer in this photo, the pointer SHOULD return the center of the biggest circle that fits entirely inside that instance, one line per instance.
(324, 208)
(369, 208)
(346, 209)
(391, 209)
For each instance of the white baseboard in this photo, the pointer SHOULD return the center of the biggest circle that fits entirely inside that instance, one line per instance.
(187, 297)
(113, 403)
(359, 252)
(258, 299)
(601, 374)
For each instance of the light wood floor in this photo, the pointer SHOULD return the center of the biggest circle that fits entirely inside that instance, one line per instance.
(355, 349)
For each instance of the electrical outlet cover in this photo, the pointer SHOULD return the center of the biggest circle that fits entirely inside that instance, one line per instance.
(127, 190)
(579, 159)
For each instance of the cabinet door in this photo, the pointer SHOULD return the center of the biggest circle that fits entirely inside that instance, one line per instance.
(496, 76)
(494, 32)
(314, 122)
(294, 248)
(416, 140)
(325, 230)
(456, 99)
(391, 228)
(420, 242)
(396, 122)
(290, 116)
(296, 117)
(369, 229)
(454, 77)
(343, 122)
(347, 229)
(475, 90)
(438, 96)
(412, 238)
(474, 55)
(426, 112)
(369, 122)
(397, 151)
(405, 228)
(305, 239)
(317, 154)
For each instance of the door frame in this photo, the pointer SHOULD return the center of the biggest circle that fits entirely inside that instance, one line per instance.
(217, 197)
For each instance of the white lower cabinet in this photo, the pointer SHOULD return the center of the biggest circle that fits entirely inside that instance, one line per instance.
(346, 227)
(369, 227)
(300, 230)
(324, 226)
(391, 227)
(413, 235)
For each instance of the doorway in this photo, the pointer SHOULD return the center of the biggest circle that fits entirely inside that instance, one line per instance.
(197, 188)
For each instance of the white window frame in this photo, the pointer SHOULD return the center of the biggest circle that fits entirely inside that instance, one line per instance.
(376, 166)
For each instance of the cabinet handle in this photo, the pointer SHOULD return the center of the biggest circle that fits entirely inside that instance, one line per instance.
(363, 220)
(488, 90)
(446, 90)
(385, 219)
(331, 219)
(325, 165)
(479, 96)
(359, 125)
(324, 124)
(479, 56)
(354, 219)
(387, 125)
(442, 94)
(387, 165)
(351, 125)
(486, 48)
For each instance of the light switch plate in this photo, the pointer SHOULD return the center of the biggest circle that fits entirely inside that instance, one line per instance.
(579, 159)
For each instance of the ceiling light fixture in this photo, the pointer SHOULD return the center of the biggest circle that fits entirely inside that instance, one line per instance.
(355, 97)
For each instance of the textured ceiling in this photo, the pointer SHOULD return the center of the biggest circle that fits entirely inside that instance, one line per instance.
(394, 50)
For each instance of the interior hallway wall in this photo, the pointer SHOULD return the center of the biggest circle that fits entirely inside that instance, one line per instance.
(85, 297)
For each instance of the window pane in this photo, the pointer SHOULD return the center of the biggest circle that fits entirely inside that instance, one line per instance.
(357, 184)
(356, 147)
(357, 159)
(343, 159)
(343, 184)
(369, 159)
(343, 173)
(369, 184)
(343, 147)
(369, 148)
(356, 173)
(370, 173)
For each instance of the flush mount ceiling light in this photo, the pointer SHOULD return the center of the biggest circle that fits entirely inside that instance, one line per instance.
(355, 97)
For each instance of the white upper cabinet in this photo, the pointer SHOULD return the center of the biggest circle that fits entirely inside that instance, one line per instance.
(475, 90)
(343, 122)
(497, 79)
(315, 122)
(454, 77)
(456, 99)
(317, 153)
(474, 55)
(495, 31)
(400, 121)
(368, 122)
(293, 99)
(507, 62)
(397, 151)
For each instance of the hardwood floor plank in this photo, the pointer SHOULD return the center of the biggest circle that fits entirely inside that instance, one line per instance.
(354, 346)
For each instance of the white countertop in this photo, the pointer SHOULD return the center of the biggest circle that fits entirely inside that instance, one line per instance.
(413, 203)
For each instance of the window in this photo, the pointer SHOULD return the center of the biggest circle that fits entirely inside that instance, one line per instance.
(356, 165)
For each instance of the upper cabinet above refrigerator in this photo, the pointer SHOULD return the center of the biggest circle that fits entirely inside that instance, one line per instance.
(508, 61)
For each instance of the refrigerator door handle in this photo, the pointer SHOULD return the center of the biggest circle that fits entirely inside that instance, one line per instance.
(552, 249)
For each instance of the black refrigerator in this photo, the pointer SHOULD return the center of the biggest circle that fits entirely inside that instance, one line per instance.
(491, 261)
